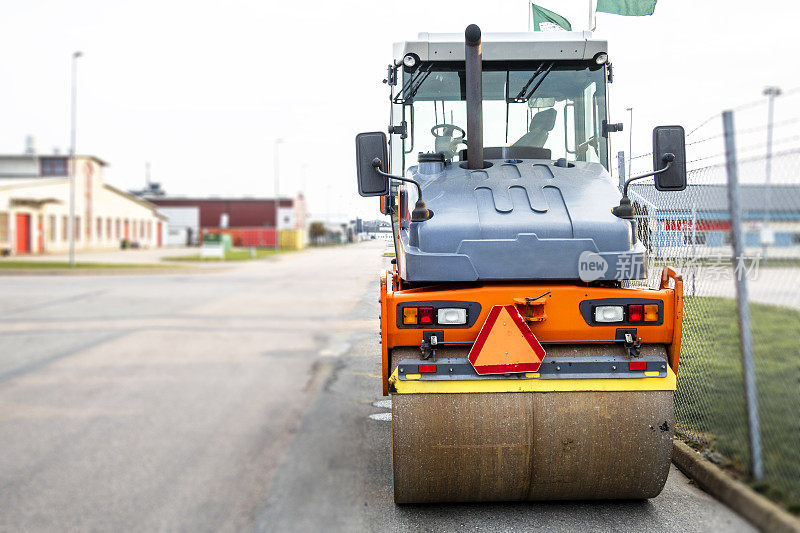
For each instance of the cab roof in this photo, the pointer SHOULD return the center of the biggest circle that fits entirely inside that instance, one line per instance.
(557, 45)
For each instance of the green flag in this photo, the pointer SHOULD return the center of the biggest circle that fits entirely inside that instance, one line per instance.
(630, 8)
(545, 20)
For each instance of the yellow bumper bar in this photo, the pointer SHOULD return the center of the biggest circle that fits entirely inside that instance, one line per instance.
(532, 383)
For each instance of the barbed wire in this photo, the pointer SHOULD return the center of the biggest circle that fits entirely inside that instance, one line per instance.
(749, 159)
(743, 131)
(746, 105)
(748, 148)
(747, 131)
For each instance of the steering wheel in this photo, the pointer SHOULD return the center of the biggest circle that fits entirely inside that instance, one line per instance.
(447, 143)
(593, 142)
(449, 129)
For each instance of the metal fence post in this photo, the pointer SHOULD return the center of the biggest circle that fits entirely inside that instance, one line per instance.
(694, 244)
(748, 369)
(771, 92)
(621, 169)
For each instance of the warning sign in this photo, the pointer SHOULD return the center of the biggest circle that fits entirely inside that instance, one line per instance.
(505, 344)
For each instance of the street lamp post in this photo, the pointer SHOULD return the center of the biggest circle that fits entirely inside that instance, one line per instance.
(276, 143)
(71, 169)
(630, 139)
(771, 93)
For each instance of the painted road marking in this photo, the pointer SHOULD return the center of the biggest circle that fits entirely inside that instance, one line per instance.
(335, 350)
(382, 404)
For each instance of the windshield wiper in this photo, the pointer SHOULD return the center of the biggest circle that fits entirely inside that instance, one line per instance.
(410, 89)
(522, 96)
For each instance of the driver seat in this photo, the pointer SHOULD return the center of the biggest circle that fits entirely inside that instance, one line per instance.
(541, 125)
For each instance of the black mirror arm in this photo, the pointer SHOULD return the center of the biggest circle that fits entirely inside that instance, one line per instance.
(420, 213)
(377, 164)
(668, 159)
(625, 209)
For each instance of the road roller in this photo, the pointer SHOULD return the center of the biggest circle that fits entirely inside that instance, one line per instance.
(526, 356)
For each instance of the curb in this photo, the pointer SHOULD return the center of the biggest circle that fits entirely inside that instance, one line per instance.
(97, 271)
(757, 509)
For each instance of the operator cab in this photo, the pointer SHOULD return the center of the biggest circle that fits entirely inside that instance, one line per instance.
(534, 200)
(550, 105)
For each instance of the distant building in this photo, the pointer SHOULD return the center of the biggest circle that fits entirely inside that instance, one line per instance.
(34, 207)
(701, 212)
(184, 225)
(374, 226)
(250, 221)
(151, 190)
(241, 212)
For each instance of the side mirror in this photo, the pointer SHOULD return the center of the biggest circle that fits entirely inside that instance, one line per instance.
(669, 167)
(371, 146)
(669, 140)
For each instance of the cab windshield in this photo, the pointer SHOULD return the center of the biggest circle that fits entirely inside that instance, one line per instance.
(546, 110)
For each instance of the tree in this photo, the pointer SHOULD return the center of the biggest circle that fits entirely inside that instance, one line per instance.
(316, 231)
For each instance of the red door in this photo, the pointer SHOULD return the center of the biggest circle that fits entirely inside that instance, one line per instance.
(127, 231)
(23, 241)
(158, 234)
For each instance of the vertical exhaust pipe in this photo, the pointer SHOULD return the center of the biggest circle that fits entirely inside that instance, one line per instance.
(474, 72)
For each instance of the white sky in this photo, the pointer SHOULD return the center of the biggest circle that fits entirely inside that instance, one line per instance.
(200, 89)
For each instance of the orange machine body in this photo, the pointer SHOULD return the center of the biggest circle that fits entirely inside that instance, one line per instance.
(553, 318)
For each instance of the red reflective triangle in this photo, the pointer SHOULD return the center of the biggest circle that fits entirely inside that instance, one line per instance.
(505, 344)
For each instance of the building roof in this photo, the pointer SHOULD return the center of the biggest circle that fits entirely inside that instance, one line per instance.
(783, 198)
(39, 156)
(141, 201)
(28, 182)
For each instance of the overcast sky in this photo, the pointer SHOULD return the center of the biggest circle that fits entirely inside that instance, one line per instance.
(200, 89)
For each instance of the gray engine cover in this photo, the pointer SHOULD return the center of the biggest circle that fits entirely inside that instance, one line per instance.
(518, 221)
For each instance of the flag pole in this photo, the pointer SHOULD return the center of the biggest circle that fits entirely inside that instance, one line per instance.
(529, 4)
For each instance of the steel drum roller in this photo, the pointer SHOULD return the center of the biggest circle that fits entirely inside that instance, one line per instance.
(532, 445)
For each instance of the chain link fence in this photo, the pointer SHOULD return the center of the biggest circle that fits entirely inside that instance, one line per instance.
(693, 231)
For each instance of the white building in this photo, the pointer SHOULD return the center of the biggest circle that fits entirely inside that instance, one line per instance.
(34, 207)
(184, 225)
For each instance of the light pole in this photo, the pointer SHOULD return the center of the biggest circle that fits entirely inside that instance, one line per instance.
(276, 144)
(771, 93)
(630, 139)
(303, 176)
(71, 170)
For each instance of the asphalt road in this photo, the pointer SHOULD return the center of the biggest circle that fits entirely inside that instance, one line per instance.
(234, 400)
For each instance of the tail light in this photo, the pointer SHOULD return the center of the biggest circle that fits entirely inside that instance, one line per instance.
(621, 311)
(427, 369)
(651, 313)
(409, 315)
(426, 315)
(632, 365)
(444, 313)
(635, 313)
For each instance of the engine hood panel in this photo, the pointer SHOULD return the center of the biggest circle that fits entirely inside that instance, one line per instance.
(515, 220)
